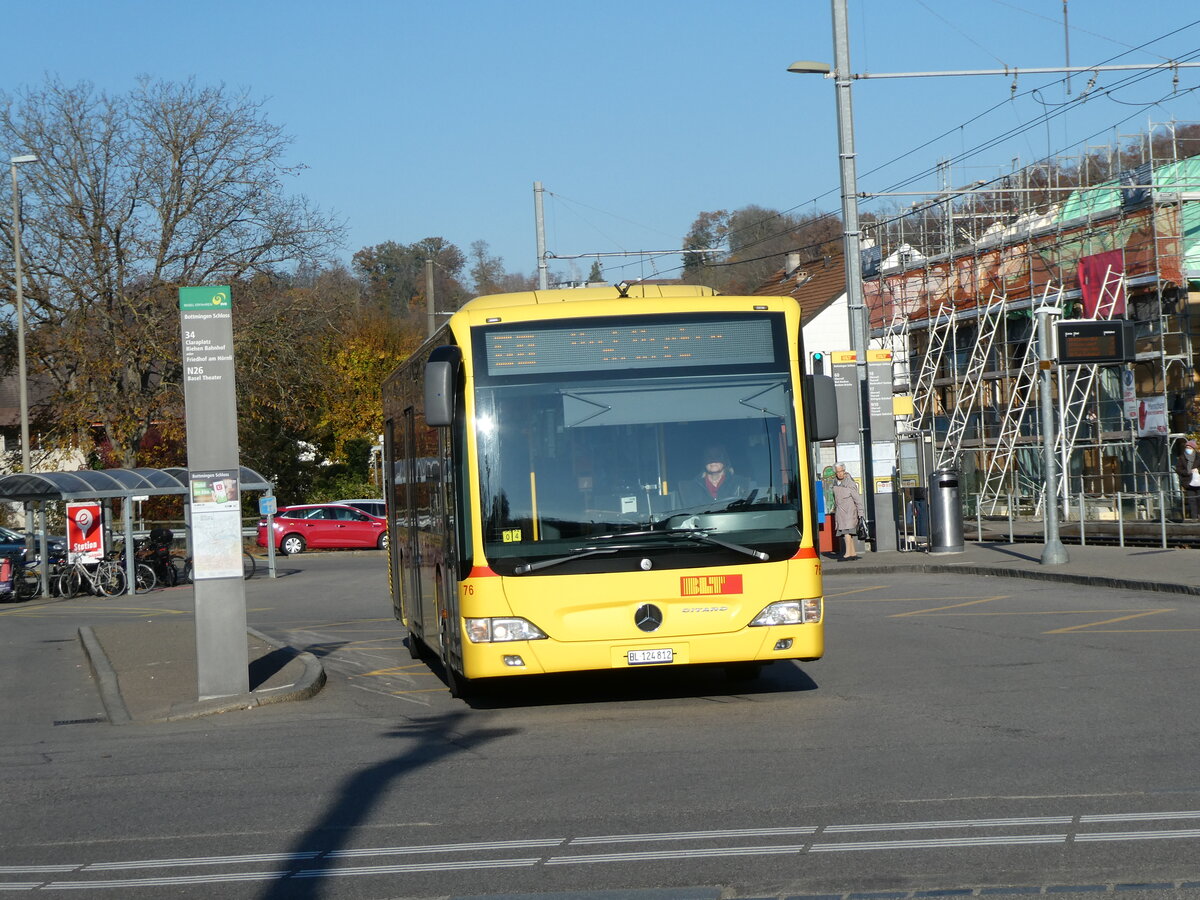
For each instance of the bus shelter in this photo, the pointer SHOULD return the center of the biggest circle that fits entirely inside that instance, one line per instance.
(36, 489)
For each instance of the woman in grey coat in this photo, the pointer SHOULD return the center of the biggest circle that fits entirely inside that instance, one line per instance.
(847, 508)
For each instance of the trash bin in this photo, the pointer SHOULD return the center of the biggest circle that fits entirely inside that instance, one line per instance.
(945, 512)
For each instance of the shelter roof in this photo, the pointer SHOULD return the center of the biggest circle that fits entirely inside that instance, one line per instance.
(96, 484)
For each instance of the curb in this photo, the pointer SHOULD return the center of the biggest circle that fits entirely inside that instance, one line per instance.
(1128, 584)
(309, 685)
(106, 677)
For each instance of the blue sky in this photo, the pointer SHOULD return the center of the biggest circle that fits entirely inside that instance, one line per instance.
(435, 118)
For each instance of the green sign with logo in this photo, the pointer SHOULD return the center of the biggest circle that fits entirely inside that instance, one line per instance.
(218, 297)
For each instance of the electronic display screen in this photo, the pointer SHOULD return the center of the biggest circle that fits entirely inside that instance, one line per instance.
(610, 344)
(1095, 342)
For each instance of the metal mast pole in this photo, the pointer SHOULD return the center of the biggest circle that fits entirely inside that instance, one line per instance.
(430, 322)
(1053, 551)
(540, 221)
(851, 242)
(22, 385)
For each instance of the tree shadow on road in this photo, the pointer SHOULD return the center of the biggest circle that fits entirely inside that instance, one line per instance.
(436, 739)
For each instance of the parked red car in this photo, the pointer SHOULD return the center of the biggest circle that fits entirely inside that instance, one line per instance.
(324, 526)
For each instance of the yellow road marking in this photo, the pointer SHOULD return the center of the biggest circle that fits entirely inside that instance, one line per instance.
(855, 591)
(911, 599)
(340, 624)
(1134, 631)
(921, 612)
(1046, 612)
(395, 670)
(91, 609)
(1139, 615)
(28, 605)
(355, 646)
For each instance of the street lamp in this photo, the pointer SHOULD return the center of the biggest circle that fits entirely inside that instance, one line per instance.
(851, 249)
(23, 387)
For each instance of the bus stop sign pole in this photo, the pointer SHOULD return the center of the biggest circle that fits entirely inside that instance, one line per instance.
(214, 498)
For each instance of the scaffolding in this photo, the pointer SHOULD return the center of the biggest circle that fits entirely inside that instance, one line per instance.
(967, 392)
(1002, 478)
(961, 316)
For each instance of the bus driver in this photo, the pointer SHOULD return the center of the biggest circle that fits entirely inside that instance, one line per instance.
(718, 481)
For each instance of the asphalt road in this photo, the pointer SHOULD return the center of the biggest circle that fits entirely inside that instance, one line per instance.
(962, 734)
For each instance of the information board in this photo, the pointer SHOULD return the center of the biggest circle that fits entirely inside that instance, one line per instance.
(1095, 342)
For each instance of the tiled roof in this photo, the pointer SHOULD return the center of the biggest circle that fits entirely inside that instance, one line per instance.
(10, 397)
(815, 283)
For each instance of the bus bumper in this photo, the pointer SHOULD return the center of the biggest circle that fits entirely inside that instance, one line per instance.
(765, 644)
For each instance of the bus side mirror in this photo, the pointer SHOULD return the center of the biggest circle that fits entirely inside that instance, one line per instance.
(822, 401)
(441, 375)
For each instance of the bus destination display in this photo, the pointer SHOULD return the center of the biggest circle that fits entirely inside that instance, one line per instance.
(620, 345)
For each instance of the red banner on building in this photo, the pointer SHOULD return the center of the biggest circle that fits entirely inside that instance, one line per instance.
(1101, 285)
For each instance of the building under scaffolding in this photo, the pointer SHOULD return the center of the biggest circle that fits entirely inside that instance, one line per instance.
(953, 290)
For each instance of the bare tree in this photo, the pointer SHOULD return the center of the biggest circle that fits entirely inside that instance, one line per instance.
(133, 196)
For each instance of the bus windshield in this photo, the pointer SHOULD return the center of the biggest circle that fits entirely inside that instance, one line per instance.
(691, 470)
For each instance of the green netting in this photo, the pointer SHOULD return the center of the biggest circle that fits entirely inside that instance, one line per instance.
(1089, 203)
(1191, 236)
(1183, 176)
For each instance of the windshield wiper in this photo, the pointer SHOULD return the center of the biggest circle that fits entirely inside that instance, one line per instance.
(689, 534)
(729, 545)
(581, 552)
(547, 563)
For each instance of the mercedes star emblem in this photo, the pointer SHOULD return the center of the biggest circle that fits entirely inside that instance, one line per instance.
(648, 617)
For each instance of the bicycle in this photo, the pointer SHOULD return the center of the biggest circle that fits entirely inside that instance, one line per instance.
(107, 579)
(184, 567)
(29, 580)
(145, 578)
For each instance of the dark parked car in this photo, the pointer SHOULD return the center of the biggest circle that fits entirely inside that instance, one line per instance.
(12, 543)
(324, 525)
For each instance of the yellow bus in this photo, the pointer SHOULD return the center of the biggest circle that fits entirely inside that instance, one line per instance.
(552, 504)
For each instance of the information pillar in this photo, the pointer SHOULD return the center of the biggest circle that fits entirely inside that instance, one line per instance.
(210, 400)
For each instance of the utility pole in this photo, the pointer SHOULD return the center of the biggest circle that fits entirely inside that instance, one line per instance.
(23, 385)
(879, 503)
(430, 322)
(540, 221)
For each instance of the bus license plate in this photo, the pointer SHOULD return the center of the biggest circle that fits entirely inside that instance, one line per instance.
(642, 657)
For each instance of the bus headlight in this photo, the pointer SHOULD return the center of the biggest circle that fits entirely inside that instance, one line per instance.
(484, 631)
(790, 612)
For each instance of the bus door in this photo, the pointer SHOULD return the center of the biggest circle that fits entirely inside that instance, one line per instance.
(394, 507)
(410, 553)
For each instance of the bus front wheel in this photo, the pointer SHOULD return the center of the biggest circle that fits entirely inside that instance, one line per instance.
(459, 684)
